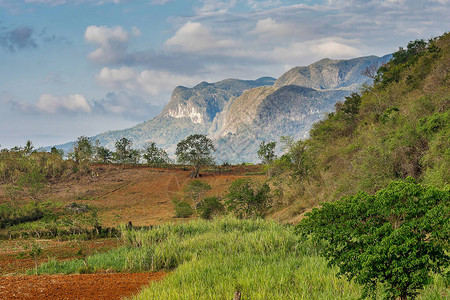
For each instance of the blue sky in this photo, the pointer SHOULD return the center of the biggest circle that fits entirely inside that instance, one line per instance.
(81, 67)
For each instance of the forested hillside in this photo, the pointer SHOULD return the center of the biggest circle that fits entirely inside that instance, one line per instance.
(398, 127)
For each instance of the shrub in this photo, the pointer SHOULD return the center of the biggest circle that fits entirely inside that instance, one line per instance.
(182, 209)
(248, 199)
(210, 207)
(395, 238)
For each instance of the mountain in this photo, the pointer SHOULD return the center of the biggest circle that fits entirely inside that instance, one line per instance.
(239, 114)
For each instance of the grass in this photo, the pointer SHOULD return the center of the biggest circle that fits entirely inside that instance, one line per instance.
(261, 258)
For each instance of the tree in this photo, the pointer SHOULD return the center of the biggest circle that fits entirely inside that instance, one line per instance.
(82, 150)
(266, 152)
(103, 154)
(124, 153)
(28, 147)
(371, 71)
(396, 237)
(248, 199)
(55, 151)
(195, 150)
(154, 155)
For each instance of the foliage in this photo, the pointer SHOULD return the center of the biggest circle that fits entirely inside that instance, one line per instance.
(195, 190)
(398, 127)
(17, 162)
(83, 150)
(154, 155)
(265, 258)
(247, 199)
(125, 154)
(55, 151)
(182, 209)
(266, 152)
(103, 154)
(30, 184)
(402, 59)
(195, 150)
(210, 207)
(396, 237)
(11, 215)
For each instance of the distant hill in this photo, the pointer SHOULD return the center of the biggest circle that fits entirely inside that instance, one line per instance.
(239, 114)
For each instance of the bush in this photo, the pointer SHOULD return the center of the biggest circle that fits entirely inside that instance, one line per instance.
(395, 239)
(248, 199)
(210, 207)
(182, 209)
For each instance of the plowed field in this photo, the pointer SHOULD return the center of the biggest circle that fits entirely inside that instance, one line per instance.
(87, 286)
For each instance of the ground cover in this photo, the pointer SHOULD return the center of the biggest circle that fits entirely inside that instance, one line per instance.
(212, 259)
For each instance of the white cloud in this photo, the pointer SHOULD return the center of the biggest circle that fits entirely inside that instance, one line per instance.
(259, 5)
(269, 26)
(52, 104)
(194, 37)
(135, 31)
(112, 42)
(215, 7)
(296, 53)
(149, 82)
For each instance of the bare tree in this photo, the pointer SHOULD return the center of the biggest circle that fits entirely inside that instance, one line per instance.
(371, 71)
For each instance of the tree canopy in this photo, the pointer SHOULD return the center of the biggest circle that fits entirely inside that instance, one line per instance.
(266, 152)
(195, 150)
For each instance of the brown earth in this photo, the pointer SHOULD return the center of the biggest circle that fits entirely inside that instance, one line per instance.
(15, 256)
(142, 195)
(87, 286)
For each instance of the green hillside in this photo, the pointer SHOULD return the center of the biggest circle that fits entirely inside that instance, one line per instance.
(398, 127)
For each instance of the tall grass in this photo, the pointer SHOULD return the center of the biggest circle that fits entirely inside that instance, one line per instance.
(260, 258)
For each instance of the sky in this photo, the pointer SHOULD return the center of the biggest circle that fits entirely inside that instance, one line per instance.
(81, 67)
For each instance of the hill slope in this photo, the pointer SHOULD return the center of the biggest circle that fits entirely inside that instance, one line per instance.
(400, 127)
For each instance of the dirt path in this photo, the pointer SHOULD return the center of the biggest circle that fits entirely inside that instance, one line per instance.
(88, 286)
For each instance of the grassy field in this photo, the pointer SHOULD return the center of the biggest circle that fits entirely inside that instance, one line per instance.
(212, 259)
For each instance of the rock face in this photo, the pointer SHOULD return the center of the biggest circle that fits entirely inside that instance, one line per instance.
(239, 114)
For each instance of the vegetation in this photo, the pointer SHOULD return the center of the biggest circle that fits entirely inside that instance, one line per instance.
(262, 259)
(210, 207)
(388, 243)
(182, 209)
(398, 127)
(154, 155)
(247, 199)
(266, 152)
(125, 154)
(195, 150)
(195, 191)
(394, 238)
(83, 150)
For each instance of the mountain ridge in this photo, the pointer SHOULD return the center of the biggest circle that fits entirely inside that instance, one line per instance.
(239, 114)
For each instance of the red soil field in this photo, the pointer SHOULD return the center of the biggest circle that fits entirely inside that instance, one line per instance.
(87, 286)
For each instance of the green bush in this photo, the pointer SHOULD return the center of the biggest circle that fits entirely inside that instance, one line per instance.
(182, 209)
(247, 199)
(396, 239)
(210, 207)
